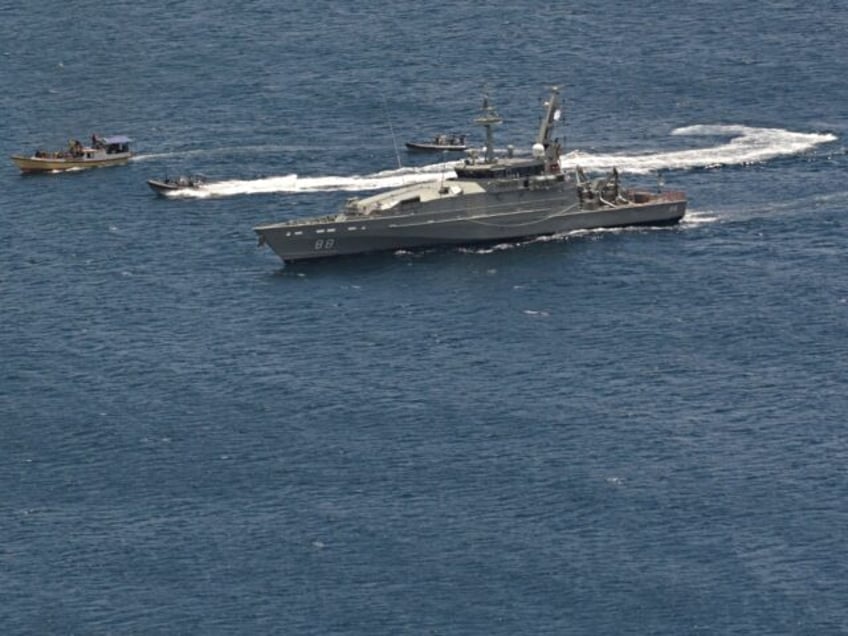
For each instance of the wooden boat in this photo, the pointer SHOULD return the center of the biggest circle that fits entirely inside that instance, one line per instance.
(439, 143)
(166, 186)
(103, 151)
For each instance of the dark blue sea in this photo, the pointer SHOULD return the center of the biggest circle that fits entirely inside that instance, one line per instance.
(616, 432)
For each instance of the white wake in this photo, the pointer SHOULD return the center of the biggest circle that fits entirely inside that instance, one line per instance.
(746, 145)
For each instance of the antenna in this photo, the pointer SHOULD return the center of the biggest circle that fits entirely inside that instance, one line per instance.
(392, 129)
(442, 171)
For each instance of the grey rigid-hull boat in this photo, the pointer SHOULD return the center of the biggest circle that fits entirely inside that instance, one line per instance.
(492, 199)
(453, 142)
(170, 185)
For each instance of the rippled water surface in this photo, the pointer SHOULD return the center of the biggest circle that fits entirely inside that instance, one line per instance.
(620, 432)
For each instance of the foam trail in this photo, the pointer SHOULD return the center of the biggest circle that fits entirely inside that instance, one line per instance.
(226, 151)
(293, 183)
(747, 146)
(160, 155)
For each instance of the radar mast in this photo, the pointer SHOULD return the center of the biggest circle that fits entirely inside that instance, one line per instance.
(488, 119)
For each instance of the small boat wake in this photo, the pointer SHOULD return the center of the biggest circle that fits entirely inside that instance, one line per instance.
(746, 145)
(226, 151)
(293, 183)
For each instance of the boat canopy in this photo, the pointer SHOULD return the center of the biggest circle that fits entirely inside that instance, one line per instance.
(116, 139)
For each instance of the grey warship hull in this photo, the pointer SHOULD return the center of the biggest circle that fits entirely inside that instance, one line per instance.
(482, 218)
(490, 200)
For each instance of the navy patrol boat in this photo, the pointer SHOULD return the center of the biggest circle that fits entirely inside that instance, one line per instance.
(491, 199)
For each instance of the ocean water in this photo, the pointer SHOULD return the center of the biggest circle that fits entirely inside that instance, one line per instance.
(621, 432)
